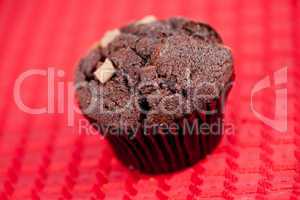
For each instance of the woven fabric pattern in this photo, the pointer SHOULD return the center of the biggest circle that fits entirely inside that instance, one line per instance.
(41, 157)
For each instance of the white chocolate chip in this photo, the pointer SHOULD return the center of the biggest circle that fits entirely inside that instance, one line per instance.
(105, 71)
(146, 20)
(109, 36)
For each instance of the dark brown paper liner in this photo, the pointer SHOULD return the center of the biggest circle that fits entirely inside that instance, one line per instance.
(165, 151)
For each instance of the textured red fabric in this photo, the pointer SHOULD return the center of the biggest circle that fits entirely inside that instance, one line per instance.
(43, 158)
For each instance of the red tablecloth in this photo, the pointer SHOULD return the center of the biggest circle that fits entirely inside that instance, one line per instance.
(41, 157)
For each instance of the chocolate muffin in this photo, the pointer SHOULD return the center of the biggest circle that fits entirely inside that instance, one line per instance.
(156, 89)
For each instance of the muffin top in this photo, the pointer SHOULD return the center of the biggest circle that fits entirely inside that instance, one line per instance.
(153, 71)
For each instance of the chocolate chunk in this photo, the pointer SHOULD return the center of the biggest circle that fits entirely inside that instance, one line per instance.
(148, 73)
